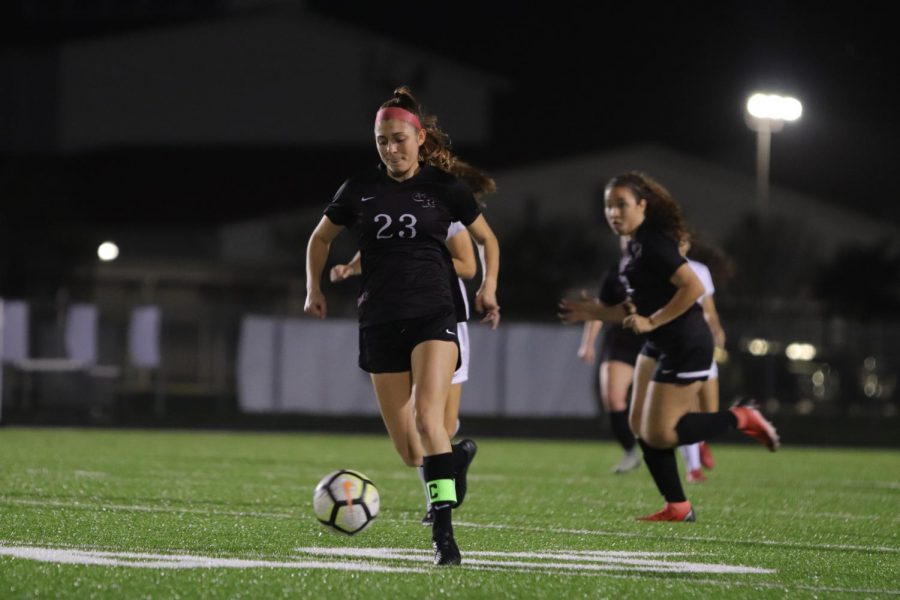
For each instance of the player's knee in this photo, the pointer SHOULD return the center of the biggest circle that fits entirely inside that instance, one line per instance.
(617, 400)
(427, 426)
(660, 438)
(634, 422)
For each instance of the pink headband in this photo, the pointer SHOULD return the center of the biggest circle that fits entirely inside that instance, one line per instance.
(401, 114)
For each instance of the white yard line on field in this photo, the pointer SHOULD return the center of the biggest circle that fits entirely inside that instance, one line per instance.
(558, 560)
(608, 564)
(171, 561)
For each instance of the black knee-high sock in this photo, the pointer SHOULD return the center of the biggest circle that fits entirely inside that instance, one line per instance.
(618, 421)
(697, 427)
(439, 470)
(664, 470)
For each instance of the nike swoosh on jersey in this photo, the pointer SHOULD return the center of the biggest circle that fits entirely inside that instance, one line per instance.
(365, 199)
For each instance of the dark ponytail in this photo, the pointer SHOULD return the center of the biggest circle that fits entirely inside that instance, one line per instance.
(436, 149)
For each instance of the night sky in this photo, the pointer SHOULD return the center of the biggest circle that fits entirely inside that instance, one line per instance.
(591, 76)
(583, 77)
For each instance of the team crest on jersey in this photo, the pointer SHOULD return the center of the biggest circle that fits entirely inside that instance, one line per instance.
(424, 200)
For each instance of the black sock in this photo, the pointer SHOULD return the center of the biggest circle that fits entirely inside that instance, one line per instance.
(618, 421)
(664, 470)
(699, 427)
(439, 469)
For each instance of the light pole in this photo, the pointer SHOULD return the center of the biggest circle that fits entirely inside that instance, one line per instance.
(766, 114)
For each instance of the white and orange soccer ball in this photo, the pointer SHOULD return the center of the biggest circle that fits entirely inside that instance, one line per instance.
(347, 501)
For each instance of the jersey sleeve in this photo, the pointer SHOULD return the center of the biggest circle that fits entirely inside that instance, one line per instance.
(341, 211)
(462, 203)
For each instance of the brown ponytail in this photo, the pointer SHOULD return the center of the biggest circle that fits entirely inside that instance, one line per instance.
(662, 209)
(436, 149)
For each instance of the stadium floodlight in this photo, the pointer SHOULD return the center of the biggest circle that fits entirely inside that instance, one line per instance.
(766, 114)
(772, 106)
(108, 251)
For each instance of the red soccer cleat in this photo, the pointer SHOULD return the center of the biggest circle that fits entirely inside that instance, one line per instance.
(696, 476)
(673, 511)
(751, 422)
(706, 457)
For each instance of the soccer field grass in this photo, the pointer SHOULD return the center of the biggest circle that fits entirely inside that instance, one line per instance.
(128, 514)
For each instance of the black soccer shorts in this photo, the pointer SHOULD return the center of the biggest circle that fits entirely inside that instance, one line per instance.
(387, 347)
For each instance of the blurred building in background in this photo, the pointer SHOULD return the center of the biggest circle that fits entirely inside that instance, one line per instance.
(206, 145)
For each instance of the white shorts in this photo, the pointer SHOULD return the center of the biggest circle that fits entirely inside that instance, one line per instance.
(462, 373)
(714, 370)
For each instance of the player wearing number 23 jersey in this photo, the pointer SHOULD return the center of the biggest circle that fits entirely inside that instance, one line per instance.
(401, 228)
(409, 301)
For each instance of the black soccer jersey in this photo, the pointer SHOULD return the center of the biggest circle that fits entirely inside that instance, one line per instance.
(401, 227)
(652, 259)
(618, 343)
(612, 290)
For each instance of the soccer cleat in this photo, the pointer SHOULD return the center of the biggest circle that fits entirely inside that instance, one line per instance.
(751, 422)
(446, 552)
(469, 447)
(680, 512)
(706, 457)
(428, 519)
(696, 476)
(630, 461)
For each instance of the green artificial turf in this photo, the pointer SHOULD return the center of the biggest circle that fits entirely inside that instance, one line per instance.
(162, 510)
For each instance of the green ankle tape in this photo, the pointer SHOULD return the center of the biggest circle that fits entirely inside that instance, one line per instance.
(442, 490)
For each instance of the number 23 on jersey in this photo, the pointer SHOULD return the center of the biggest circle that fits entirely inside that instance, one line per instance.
(404, 228)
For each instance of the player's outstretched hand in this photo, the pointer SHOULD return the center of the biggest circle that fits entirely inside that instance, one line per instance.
(573, 311)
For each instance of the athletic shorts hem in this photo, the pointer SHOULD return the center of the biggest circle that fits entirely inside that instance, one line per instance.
(387, 347)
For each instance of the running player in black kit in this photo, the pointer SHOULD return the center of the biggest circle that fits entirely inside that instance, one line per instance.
(408, 302)
(664, 290)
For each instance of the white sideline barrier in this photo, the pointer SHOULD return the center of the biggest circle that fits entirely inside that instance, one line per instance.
(256, 363)
(319, 372)
(309, 366)
(81, 333)
(13, 336)
(15, 331)
(144, 332)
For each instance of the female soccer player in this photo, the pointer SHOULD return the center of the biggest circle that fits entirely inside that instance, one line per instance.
(408, 340)
(459, 243)
(664, 290)
(619, 350)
